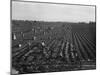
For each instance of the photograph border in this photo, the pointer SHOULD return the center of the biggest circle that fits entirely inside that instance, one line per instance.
(47, 3)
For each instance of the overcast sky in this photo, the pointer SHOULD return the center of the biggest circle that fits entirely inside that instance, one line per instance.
(52, 12)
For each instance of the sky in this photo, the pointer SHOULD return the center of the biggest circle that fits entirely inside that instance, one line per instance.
(52, 12)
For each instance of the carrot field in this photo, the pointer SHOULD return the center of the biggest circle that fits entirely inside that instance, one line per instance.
(39, 46)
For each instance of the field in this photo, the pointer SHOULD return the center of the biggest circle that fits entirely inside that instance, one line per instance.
(39, 46)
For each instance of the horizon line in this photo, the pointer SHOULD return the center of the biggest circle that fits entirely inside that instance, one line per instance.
(52, 21)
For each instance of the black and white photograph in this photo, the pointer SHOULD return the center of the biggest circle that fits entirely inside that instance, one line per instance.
(52, 37)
